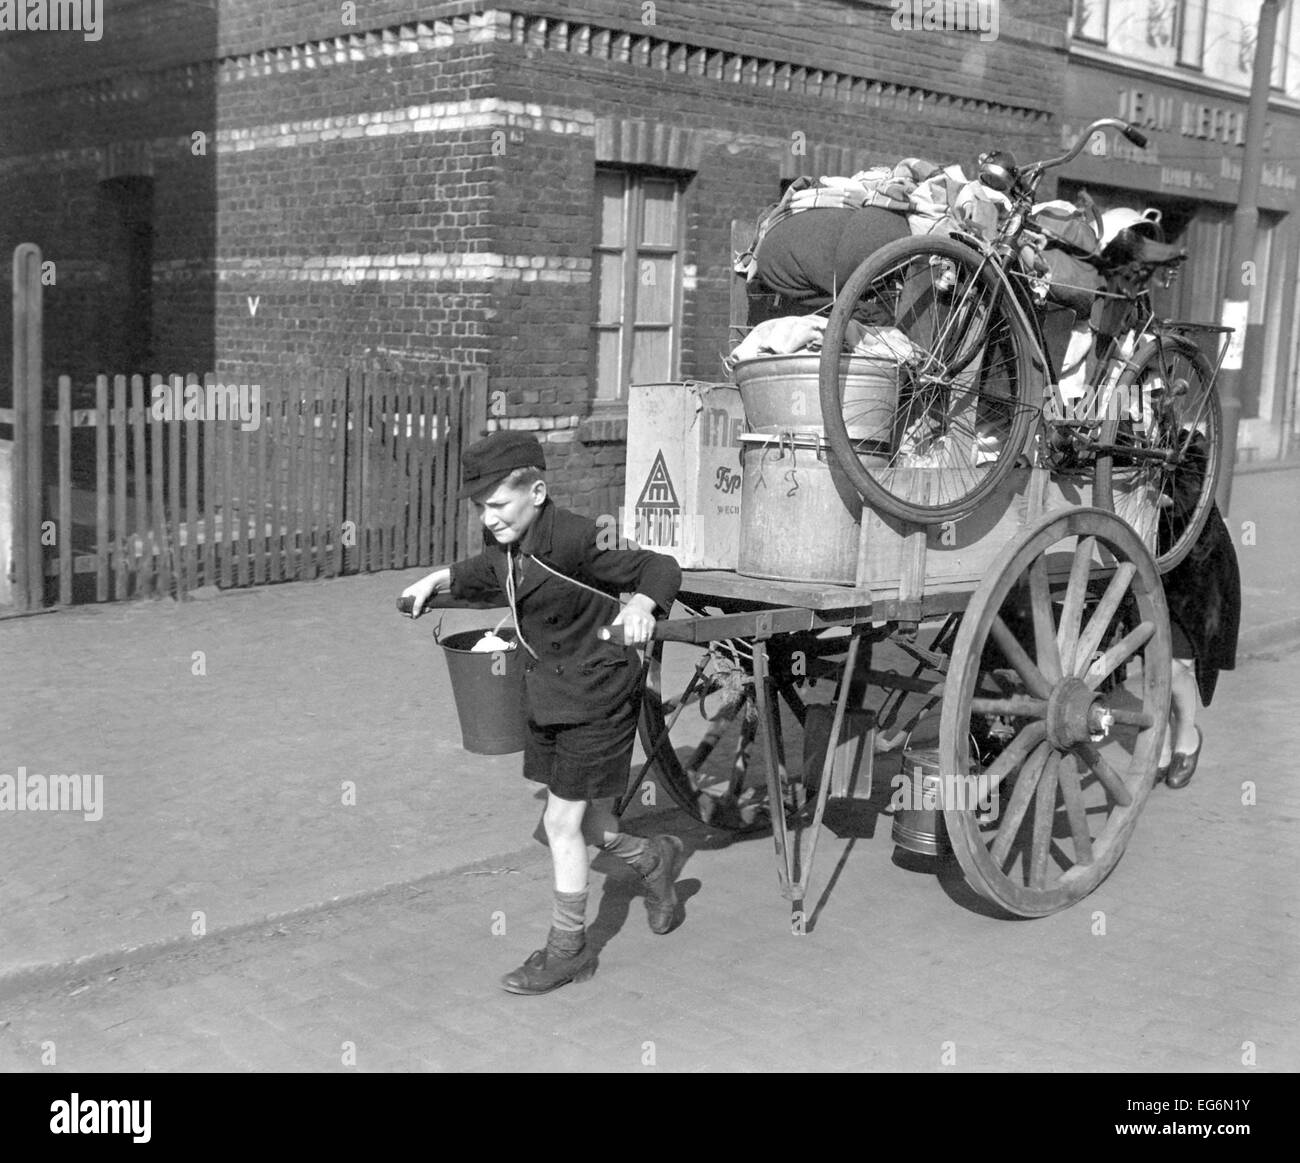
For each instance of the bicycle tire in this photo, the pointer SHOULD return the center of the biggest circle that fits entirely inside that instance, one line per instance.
(1183, 499)
(947, 330)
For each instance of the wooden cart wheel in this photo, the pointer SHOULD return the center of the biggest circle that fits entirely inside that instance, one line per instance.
(1046, 723)
(701, 701)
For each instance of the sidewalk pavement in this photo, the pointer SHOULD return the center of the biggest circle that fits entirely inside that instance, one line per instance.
(274, 750)
(1264, 517)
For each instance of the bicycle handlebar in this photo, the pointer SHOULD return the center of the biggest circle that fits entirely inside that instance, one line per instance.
(1032, 172)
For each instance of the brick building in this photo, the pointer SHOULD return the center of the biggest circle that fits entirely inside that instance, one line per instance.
(543, 189)
(1182, 70)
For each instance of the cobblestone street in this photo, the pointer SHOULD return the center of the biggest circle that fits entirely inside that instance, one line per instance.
(237, 907)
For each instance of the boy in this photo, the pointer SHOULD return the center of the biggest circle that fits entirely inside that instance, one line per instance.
(581, 693)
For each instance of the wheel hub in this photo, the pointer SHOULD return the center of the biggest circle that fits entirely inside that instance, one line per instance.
(1076, 714)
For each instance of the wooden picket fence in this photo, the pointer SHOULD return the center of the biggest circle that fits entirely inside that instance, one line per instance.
(326, 472)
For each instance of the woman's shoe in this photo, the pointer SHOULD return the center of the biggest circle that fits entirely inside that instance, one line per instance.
(1183, 766)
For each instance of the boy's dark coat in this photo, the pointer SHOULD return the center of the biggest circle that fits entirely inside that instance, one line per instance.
(576, 677)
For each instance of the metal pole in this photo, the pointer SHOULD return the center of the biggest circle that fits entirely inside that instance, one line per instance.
(1244, 221)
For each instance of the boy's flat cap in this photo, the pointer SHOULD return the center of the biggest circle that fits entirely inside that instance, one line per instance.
(486, 464)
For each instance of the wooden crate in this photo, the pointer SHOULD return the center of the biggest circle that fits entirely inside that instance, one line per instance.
(899, 560)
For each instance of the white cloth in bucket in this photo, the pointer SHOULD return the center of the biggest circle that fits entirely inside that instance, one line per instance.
(490, 642)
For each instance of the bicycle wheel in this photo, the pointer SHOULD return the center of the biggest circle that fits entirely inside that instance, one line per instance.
(1165, 403)
(960, 355)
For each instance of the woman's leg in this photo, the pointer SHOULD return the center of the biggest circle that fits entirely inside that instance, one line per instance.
(1185, 703)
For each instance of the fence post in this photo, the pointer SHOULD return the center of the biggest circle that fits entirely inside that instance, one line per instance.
(29, 418)
(473, 427)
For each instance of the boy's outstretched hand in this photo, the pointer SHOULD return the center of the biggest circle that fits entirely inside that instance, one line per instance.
(421, 591)
(638, 620)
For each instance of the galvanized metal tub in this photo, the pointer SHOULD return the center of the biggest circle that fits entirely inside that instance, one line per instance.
(781, 393)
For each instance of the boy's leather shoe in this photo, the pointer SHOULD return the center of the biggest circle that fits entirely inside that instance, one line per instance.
(546, 970)
(661, 893)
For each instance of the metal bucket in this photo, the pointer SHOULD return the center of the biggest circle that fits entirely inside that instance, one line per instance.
(488, 688)
(781, 393)
(918, 827)
(800, 517)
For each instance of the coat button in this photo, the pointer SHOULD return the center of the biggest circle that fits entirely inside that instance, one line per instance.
(555, 646)
(559, 669)
(551, 619)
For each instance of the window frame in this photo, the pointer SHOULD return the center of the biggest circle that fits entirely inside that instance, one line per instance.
(1180, 26)
(1079, 34)
(1281, 46)
(632, 251)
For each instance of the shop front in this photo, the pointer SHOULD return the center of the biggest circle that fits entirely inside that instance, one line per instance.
(1191, 171)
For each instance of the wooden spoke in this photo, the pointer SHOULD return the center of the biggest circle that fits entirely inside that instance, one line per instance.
(1102, 615)
(1121, 652)
(1015, 654)
(1040, 601)
(1044, 815)
(1109, 777)
(1067, 633)
(1014, 753)
(1018, 706)
(1132, 718)
(1021, 794)
(1067, 775)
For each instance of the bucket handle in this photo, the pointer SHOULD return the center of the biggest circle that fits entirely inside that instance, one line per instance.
(437, 630)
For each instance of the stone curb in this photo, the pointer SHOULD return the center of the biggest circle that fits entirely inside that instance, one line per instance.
(39, 976)
(1258, 641)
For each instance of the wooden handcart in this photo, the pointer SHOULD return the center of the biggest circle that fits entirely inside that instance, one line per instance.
(1024, 584)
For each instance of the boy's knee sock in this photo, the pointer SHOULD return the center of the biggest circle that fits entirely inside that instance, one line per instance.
(569, 911)
(639, 854)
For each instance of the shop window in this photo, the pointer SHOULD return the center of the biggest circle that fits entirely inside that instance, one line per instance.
(1091, 18)
(1189, 33)
(637, 268)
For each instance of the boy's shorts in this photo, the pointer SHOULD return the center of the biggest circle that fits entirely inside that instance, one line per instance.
(583, 761)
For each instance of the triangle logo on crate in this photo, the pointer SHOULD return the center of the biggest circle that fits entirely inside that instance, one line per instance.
(658, 511)
(658, 489)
